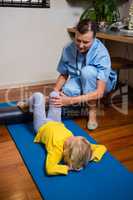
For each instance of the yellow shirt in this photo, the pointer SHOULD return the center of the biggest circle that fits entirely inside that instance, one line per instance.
(53, 135)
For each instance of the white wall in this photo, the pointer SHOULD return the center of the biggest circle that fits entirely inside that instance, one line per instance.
(124, 9)
(31, 41)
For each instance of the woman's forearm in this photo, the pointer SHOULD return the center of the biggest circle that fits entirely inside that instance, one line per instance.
(97, 94)
(60, 82)
(84, 98)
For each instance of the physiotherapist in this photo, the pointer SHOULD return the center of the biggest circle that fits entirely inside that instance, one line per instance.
(85, 72)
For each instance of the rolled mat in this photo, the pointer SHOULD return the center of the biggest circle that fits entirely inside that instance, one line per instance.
(13, 114)
(105, 180)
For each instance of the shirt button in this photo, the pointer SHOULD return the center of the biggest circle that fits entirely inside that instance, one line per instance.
(78, 72)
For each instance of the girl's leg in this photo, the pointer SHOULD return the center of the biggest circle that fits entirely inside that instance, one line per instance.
(54, 113)
(37, 106)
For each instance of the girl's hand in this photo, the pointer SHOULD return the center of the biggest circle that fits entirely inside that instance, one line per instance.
(70, 168)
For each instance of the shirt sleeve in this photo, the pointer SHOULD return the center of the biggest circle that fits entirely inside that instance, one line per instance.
(103, 65)
(97, 152)
(37, 138)
(62, 66)
(53, 167)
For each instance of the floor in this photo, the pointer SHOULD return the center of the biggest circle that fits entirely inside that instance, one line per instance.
(115, 131)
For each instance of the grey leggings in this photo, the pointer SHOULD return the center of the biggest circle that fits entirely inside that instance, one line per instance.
(37, 106)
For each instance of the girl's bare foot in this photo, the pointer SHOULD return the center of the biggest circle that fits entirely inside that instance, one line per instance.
(23, 106)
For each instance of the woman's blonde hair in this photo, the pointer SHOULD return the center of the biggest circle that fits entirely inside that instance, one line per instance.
(77, 153)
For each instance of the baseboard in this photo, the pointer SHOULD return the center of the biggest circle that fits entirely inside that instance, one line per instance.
(23, 91)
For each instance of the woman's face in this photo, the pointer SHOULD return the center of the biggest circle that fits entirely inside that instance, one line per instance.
(83, 41)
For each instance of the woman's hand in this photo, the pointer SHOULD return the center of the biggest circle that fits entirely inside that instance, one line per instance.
(60, 101)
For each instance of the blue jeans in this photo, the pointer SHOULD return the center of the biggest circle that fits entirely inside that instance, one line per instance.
(37, 106)
(84, 83)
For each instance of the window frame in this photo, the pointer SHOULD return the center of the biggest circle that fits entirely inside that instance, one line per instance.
(25, 3)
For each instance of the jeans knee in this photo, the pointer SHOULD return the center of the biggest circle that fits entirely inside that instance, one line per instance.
(54, 94)
(38, 97)
(88, 72)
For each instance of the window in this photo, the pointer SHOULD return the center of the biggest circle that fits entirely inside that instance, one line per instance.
(25, 3)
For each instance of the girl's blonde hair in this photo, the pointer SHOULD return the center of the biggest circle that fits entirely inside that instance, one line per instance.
(77, 153)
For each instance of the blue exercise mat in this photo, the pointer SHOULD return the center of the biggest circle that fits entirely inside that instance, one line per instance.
(106, 180)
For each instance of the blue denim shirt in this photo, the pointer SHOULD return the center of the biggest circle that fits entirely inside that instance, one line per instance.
(97, 56)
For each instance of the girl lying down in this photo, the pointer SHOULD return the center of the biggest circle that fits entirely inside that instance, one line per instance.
(60, 143)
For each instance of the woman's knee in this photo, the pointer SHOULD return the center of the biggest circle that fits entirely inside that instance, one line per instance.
(88, 72)
(71, 89)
